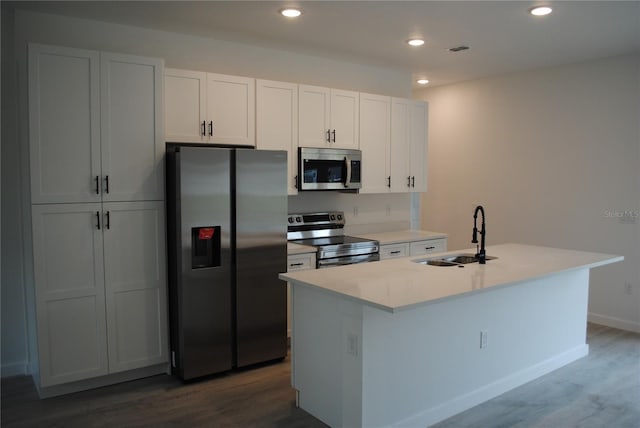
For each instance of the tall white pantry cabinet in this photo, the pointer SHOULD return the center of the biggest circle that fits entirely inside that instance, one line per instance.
(98, 219)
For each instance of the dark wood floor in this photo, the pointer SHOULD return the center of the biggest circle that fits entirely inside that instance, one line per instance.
(600, 390)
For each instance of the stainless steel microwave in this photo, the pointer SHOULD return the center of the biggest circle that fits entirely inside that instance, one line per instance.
(329, 169)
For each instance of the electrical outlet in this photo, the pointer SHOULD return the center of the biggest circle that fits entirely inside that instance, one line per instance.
(355, 211)
(352, 344)
(484, 339)
(627, 288)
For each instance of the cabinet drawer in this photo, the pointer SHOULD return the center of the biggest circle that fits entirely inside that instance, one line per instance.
(391, 251)
(301, 262)
(428, 246)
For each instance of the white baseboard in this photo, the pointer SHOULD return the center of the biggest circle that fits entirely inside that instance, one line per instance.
(471, 399)
(14, 369)
(614, 322)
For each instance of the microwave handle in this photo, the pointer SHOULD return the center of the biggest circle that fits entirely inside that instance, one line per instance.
(347, 178)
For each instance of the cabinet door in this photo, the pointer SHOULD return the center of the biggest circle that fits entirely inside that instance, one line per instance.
(277, 123)
(64, 124)
(231, 109)
(131, 127)
(345, 119)
(69, 290)
(391, 251)
(135, 284)
(297, 262)
(429, 246)
(314, 118)
(400, 145)
(418, 152)
(375, 135)
(185, 106)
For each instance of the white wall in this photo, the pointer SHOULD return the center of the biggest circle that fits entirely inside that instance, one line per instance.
(554, 157)
(179, 51)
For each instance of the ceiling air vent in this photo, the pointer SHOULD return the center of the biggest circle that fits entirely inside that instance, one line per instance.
(458, 48)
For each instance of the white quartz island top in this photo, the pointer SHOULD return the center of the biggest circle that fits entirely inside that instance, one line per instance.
(400, 236)
(398, 284)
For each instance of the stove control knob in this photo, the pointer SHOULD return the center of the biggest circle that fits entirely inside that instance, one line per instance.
(290, 220)
(333, 217)
(299, 219)
(339, 216)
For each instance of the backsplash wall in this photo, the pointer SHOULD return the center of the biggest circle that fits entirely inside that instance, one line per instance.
(364, 213)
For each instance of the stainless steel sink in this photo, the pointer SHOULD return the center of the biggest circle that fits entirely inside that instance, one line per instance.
(451, 260)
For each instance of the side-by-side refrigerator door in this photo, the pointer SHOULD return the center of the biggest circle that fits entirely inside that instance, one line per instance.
(204, 283)
(261, 254)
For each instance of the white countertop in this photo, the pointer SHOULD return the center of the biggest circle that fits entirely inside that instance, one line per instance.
(299, 249)
(398, 284)
(402, 236)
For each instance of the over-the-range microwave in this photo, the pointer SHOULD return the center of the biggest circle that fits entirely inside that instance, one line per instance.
(329, 169)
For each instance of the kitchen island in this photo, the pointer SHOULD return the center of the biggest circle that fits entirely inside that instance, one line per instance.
(399, 343)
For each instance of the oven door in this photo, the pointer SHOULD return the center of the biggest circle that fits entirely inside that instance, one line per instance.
(348, 260)
(329, 169)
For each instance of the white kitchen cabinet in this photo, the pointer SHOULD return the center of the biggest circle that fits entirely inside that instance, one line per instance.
(418, 248)
(131, 122)
(297, 262)
(69, 290)
(400, 145)
(408, 145)
(391, 251)
(135, 284)
(98, 227)
(277, 123)
(100, 284)
(95, 126)
(418, 149)
(328, 117)
(375, 138)
(64, 124)
(209, 108)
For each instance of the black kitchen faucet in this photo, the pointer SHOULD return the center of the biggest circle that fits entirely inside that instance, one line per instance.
(481, 255)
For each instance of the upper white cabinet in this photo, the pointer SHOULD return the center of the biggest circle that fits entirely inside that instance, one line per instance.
(418, 150)
(328, 117)
(375, 137)
(408, 145)
(95, 126)
(277, 123)
(64, 124)
(209, 108)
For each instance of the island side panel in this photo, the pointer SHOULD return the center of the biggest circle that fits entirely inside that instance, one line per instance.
(326, 355)
(425, 364)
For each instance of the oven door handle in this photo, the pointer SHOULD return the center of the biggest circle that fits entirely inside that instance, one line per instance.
(350, 260)
(347, 178)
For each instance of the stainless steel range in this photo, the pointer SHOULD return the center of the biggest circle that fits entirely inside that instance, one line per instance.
(325, 231)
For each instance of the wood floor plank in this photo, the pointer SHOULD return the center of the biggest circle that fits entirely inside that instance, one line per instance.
(600, 390)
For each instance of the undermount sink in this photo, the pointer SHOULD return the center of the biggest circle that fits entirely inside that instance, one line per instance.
(452, 260)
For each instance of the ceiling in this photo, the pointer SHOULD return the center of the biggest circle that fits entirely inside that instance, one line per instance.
(502, 36)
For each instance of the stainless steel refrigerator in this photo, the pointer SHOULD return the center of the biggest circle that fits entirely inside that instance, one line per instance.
(226, 217)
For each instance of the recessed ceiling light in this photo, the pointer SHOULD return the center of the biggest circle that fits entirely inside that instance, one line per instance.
(415, 42)
(422, 81)
(291, 12)
(540, 10)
